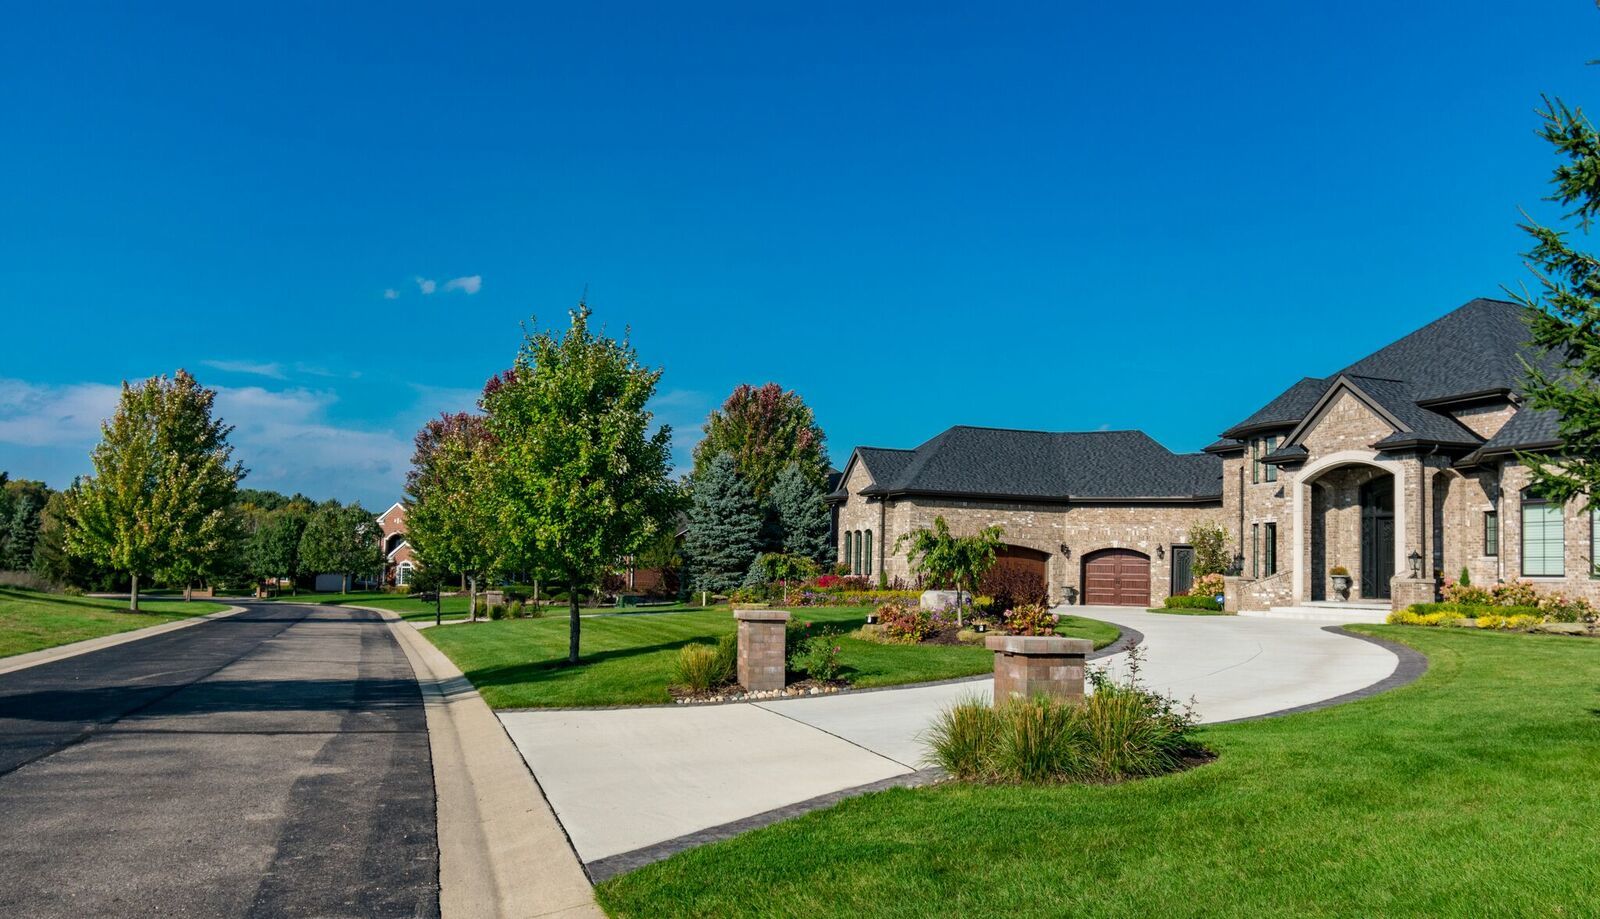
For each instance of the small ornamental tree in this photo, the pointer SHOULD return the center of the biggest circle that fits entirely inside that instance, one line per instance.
(581, 480)
(163, 481)
(800, 508)
(764, 429)
(1564, 316)
(452, 509)
(944, 558)
(1210, 544)
(724, 527)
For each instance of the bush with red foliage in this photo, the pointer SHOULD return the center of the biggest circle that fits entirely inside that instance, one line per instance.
(1012, 587)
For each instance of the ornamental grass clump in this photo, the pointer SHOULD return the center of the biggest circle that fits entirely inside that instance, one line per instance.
(702, 667)
(1119, 731)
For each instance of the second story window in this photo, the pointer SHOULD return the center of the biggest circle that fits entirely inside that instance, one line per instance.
(1269, 472)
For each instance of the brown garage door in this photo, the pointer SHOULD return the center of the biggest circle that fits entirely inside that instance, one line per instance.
(1116, 577)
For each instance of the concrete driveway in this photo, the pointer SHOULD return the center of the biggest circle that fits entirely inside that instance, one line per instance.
(627, 782)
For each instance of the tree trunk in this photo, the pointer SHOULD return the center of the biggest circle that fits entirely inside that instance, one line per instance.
(188, 592)
(574, 622)
(959, 622)
(472, 599)
(536, 595)
(133, 595)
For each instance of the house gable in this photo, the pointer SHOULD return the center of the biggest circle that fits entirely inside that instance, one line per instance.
(1345, 419)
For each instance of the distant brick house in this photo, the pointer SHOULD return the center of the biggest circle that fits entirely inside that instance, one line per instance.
(399, 556)
(1402, 464)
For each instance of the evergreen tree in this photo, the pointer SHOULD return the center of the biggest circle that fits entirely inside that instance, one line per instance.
(725, 524)
(163, 483)
(800, 508)
(1565, 315)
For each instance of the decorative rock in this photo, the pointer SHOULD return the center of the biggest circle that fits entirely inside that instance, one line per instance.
(1030, 665)
(943, 599)
(762, 651)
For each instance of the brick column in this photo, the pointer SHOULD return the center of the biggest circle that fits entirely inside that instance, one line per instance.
(1404, 591)
(1028, 665)
(762, 657)
(1232, 592)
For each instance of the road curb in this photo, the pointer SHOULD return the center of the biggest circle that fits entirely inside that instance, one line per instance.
(502, 852)
(88, 645)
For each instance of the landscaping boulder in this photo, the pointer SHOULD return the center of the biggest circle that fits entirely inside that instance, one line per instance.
(943, 599)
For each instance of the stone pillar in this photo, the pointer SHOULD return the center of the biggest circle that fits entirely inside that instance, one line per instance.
(1232, 588)
(762, 657)
(1028, 665)
(1404, 591)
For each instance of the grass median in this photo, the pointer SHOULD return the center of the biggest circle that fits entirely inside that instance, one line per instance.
(628, 658)
(1471, 792)
(32, 620)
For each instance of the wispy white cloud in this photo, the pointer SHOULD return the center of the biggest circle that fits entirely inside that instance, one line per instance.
(468, 285)
(389, 293)
(40, 415)
(426, 285)
(434, 400)
(284, 437)
(272, 370)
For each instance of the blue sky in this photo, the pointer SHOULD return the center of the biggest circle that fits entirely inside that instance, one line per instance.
(1059, 216)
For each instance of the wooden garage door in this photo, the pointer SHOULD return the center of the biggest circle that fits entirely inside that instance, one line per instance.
(1116, 577)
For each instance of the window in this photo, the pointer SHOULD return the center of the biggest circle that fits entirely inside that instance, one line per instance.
(1270, 472)
(861, 546)
(1543, 538)
(867, 567)
(1594, 566)
(1255, 550)
(848, 544)
(1491, 532)
(1269, 564)
(1255, 462)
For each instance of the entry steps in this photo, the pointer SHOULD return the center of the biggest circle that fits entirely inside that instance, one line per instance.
(1330, 611)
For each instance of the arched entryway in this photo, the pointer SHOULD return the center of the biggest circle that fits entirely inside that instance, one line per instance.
(1116, 577)
(1019, 575)
(1353, 521)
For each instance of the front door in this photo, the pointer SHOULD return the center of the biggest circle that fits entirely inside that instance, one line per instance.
(1182, 569)
(1377, 538)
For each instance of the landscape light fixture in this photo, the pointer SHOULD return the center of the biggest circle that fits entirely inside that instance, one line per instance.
(1416, 563)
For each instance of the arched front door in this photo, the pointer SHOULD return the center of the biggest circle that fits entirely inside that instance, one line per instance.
(1116, 577)
(1377, 537)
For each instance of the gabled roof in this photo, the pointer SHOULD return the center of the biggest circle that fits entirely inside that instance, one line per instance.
(1043, 466)
(1474, 353)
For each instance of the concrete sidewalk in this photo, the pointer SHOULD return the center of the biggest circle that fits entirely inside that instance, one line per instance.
(626, 779)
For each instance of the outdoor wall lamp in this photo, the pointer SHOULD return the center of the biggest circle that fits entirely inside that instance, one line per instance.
(1161, 552)
(1415, 558)
(1066, 549)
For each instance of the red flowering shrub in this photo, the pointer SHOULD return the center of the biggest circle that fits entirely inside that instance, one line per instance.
(904, 622)
(1030, 619)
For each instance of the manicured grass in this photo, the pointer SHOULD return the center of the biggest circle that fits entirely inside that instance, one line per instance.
(1179, 611)
(628, 659)
(31, 620)
(1472, 792)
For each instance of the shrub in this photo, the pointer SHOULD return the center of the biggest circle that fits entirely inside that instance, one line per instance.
(1464, 593)
(514, 609)
(1192, 602)
(701, 667)
(1121, 730)
(1030, 619)
(827, 581)
(1515, 593)
(497, 611)
(1012, 587)
(1410, 616)
(1518, 622)
(1339, 571)
(903, 622)
(818, 658)
(726, 665)
(1207, 585)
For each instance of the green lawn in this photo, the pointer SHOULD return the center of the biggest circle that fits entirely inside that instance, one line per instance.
(1472, 792)
(31, 620)
(1180, 611)
(628, 659)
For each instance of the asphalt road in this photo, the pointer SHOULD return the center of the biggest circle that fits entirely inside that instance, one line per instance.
(273, 763)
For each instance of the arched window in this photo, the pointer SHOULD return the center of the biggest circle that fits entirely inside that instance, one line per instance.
(855, 564)
(849, 544)
(867, 568)
(1544, 539)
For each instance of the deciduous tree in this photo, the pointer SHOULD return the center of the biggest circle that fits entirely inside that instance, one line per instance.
(164, 478)
(581, 479)
(946, 558)
(764, 429)
(452, 509)
(341, 540)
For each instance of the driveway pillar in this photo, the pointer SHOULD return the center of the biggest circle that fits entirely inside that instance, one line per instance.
(763, 656)
(1031, 665)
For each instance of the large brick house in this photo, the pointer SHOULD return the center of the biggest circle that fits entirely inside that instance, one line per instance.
(399, 557)
(1401, 468)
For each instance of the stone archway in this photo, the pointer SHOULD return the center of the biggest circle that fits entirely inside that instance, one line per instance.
(1330, 528)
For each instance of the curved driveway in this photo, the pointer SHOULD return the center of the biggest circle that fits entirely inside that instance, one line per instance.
(626, 780)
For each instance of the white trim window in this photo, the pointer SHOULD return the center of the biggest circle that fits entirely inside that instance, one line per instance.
(1544, 538)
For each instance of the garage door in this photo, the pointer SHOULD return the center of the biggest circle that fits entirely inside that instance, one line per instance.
(1116, 577)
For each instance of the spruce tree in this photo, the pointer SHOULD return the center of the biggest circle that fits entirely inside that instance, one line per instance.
(724, 527)
(801, 511)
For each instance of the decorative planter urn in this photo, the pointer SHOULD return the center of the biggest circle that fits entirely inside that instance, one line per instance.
(1341, 586)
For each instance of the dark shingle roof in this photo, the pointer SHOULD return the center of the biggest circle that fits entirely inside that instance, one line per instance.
(1477, 348)
(1526, 430)
(1040, 465)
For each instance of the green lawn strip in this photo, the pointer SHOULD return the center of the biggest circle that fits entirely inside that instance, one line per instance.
(1179, 611)
(31, 620)
(1469, 792)
(628, 659)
